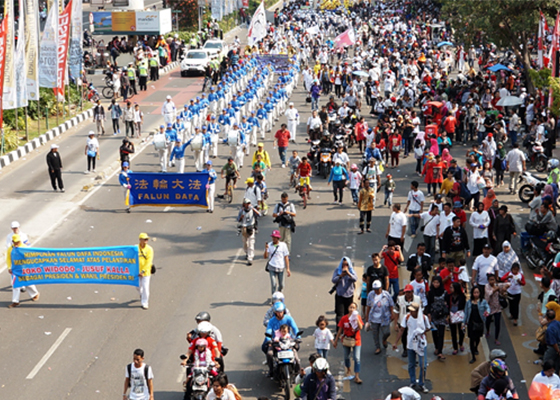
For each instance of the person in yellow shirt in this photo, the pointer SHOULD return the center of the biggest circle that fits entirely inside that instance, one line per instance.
(447, 184)
(31, 290)
(366, 200)
(265, 157)
(146, 261)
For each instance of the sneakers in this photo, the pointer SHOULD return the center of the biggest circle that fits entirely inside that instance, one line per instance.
(424, 389)
(413, 235)
(36, 298)
(283, 165)
(62, 190)
(144, 307)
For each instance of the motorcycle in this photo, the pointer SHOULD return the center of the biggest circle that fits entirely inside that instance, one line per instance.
(525, 192)
(313, 153)
(108, 78)
(284, 363)
(535, 154)
(540, 253)
(199, 383)
(325, 162)
(92, 94)
(304, 193)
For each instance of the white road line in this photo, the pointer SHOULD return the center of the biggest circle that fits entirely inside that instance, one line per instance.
(167, 208)
(48, 354)
(232, 266)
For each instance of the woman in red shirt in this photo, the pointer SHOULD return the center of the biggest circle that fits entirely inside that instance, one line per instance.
(360, 132)
(349, 328)
(395, 144)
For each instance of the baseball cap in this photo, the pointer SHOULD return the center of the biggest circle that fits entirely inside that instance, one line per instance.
(125, 164)
(413, 307)
(250, 180)
(54, 146)
(16, 238)
(486, 246)
(246, 201)
(275, 233)
(143, 236)
(408, 288)
(15, 224)
(168, 97)
(91, 133)
(376, 284)
(260, 145)
(457, 204)
(169, 125)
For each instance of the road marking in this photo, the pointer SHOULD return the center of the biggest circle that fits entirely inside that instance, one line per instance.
(232, 266)
(48, 354)
(167, 208)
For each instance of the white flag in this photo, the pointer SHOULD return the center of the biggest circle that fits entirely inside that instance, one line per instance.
(257, 30)
(48, 60)
(9, 96)
(32, 49)
(21, 83)
(75, 48)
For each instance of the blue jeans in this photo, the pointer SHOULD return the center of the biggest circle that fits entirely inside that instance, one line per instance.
(282, 154)
(314, 103)
(513, 137)
(394, 283)
(422, 362)
(276, 281)
(388, 198)
(323, 353)
(354, 195)
(414, 222)
(356, 351)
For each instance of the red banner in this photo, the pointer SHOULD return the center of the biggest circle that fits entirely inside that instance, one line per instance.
(62, 52)
(245, 3)
(3, 32)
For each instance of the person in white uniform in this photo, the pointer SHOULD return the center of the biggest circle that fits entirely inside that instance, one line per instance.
(168, 111)
(160, 145)
(292, 116)
(17, 231)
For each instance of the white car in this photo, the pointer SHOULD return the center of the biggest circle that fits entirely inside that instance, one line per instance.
(217, 47)
(195, 61)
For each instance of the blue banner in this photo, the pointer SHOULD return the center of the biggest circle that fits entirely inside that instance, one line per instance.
(105, 265)
(278, 62)
(168, 189)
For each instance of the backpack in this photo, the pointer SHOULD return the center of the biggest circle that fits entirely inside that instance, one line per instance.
(465, 193)
(440, 308)
(129, 370)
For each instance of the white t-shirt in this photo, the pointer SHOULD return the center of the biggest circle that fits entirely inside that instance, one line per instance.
(430, 223)
(484, 266)
(477, 220)
(553, 382)
(420, 291)
(226, 395)
(138, 385)
(396, 223)
(515, 160)
(323, 338)
(407, 394)
(412, 324)
(22, 236)
(92, 145)
(445, 221)
(416, 198)
(278, 260)
(342, 157)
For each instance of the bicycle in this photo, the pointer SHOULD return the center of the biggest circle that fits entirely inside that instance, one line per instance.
(229, 191)
(304, 193)
(108, 92)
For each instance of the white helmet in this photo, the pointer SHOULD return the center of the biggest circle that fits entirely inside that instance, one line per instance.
(553, 163)
(277, 296)
(320, 364)
(204, 327)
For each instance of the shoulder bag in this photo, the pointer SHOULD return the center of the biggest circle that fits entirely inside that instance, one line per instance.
(348, 341)
(540, 335)
(266, 268)
(153, 269)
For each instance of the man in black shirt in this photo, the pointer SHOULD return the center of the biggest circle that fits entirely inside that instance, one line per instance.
(419, 260)
(377, 271)
(54, 163)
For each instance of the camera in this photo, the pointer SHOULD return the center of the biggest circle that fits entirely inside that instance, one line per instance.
(333, 289)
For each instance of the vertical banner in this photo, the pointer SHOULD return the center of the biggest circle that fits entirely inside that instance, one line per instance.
(32, 49)
(21, 84)
(76, 49)
(3, 31)
(217, 10)
(555, 47)
(62, 49)
(9, 93)
(257, 30)
(48, 49)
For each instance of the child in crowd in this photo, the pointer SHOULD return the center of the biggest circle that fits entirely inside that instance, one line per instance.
(323, 337)
(283, 333)
(463, 275)
(364, 294)
(390, 187)
(420, 286)
(355, 179)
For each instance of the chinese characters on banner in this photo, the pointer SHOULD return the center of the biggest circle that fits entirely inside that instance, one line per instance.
(168, 189)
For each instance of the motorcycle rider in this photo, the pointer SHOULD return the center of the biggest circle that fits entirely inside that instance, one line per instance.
(332, 107)
(276, 297)
(314, 382)
(214, 332)
(553, 175)
(280, 318)
(326, 141)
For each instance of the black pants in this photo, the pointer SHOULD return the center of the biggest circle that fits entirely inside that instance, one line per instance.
(133, 86)
(143, 83)
(365, 215)
(419, 165)
(129, 125)
(116, 126)
(338, 187)
(404, 342)
(326, 87)
(454, 328)
(478, 244)
(497, 318)
(474, 341)
(90, 163)
(476, 199)
(341, 305)
(514, 300)
(154, 74)
(439, 337)
(56, 176)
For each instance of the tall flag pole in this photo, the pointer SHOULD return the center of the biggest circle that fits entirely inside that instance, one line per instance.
(554, 55)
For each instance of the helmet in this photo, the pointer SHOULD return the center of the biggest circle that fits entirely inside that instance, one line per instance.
(297, 390)
(498, 367)
(498, 353)
(204, 327)
(279, 307)
(550, 236)
(320, 364)
(277, 296)
(553, 163)
(202, 342)
(202, 316)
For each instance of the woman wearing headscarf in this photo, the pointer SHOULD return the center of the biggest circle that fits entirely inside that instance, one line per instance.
(479, 220)
(506, 259)
(457, 302)
(493, 212)
(488, 199)
(438, 312)
(492, 293)
(499, 165)
(504, 228)
(344, 279)
(476, 310)
(446, 157)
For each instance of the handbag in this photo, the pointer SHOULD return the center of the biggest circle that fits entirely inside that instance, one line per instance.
(457, 317)
(503, 302)
(348, 341)
(540, 335)
(425, 225)
(268, 262)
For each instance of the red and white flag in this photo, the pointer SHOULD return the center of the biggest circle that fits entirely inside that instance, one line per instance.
(543, 27)
(346, 38)
(554, 47)
(62, 49)
(3, 34)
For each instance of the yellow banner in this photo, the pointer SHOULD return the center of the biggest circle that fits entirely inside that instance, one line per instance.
(123, 21)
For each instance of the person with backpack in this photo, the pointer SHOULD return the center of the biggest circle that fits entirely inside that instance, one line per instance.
(284, 213)
(139, 379)
(438, 312)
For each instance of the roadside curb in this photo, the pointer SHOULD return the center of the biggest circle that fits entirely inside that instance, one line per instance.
(43, 139)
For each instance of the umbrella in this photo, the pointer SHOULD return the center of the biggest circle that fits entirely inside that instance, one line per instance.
(445, 44)
(509, 101)
(437, 104)
(498, 67)
(361, 73)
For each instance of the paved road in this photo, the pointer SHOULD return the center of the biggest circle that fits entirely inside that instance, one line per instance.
(200, 268)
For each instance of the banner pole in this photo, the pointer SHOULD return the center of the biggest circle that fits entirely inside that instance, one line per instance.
(17, 125)
(26, 128)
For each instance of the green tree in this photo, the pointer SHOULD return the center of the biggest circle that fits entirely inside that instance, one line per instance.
(507, 23)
